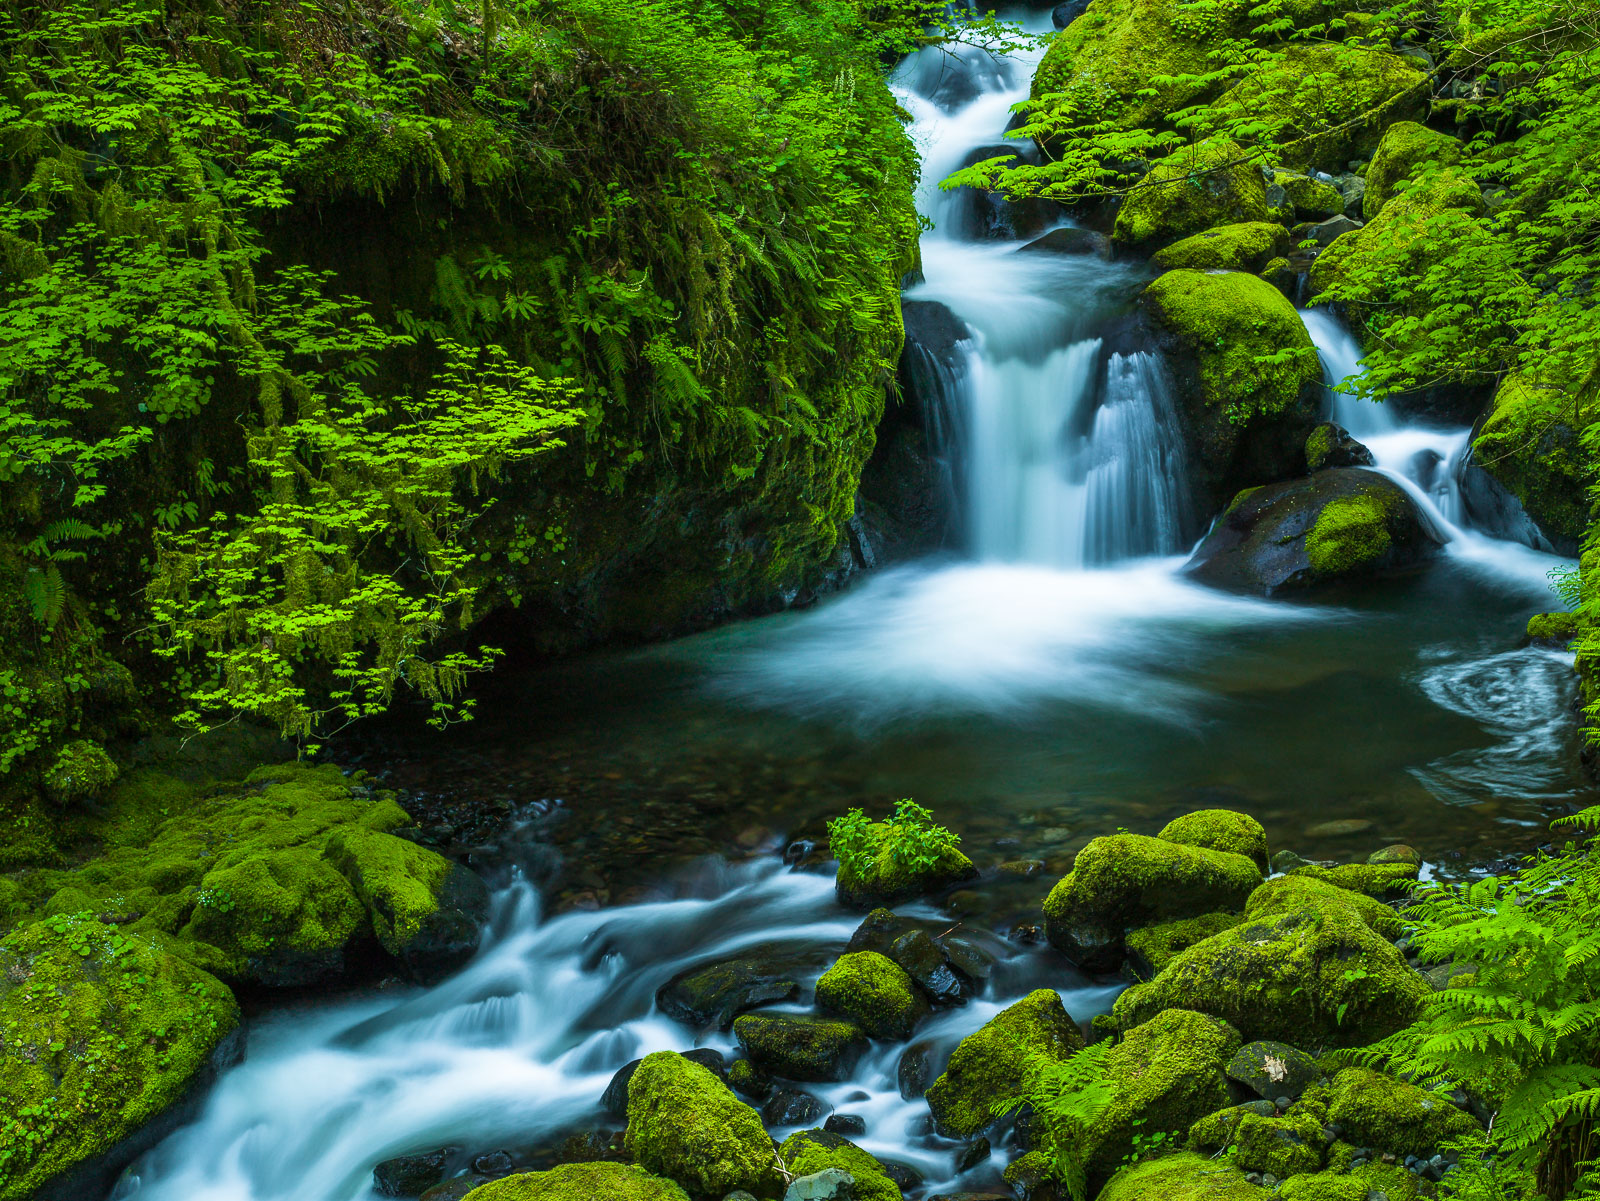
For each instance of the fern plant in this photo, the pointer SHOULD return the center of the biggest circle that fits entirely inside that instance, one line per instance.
(1066, 1096)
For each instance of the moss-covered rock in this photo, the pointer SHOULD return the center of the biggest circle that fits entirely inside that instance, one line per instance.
(1371, 879)
(684, 1123)
(1272, 1070)
(812, 1151)
(1220, 830)
(581, 1182)
(714, 994)
(1379, 1111)
(1182, 1177)
(1340, 524)
(1311, 199)
(1308, 976)
(1371, 1180)
(1163, 1076)
(1247, 246)
(1405, 146)
(101, 1033)
(1296, 893)
(800, 1047)
(1326, 103)
(874, 992)
(1153, 947)
(885, 876)
(1214, 1132)
(1530, 444)
(1331, 445)
(1200, 187)
(81, 770)
(1285, 1146)
(1125, 881)
(990, 1065)
(1560, 627)
(1245, 418)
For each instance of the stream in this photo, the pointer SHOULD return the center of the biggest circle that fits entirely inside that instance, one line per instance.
(1058, 681)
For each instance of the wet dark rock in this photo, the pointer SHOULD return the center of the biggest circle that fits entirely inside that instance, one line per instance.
(1339, 828)
(494, 1163)
(1330, 445)
(989, 215)
(906, 1178)
(926, 963)
(1324, 232)
(746, 1081)
(792, 1107)
(615, 1099)
(1273, 1070)
(1492, 508)
(972, 1155)
(800, 1047)
(967, 957)
(448, 936)
(847, 1124)
(454, 1190)
(714, 994)
(1070, 239)
(1067, 12)
(915, 1071)
(411, 1175)
(1287, 861)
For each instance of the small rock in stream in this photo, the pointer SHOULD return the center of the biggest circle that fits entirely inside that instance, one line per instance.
(972, 1155)
(792, 1107)
(847, 1124)
(494, 1163)
(454, 1190)
(830, 1184)
(411, 1175)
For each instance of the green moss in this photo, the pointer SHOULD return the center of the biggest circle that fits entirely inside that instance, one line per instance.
(1323, 1186)
(812, 1151)
(1182, 1177)
(1406, 145)
(581, 1182)
(1557, 627)
(684, 1123)
(1128, 880)
(1247, 246)
(1379, 1111)
(800, 1047)
(1350, 532)
(396, 880)
(1530, 443)
(1220, 830)
(1230, 322)
(1164, 1076)
(1371, 879)
(1215, 1131)
(102, 1030)
(1152, 948)
(1213, 183)
(1310, 975)
(1327, 103)
(1029, 1173)
(874, 992)
(1312, 200)
(991, 1064)
(81, 770)
(1284, 1146)
(1296, 893)
(1320, 443)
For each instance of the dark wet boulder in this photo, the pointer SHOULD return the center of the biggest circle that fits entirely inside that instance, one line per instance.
(792, 1107)
(947, 969)
(1069, 239)
(411, 1175)
(1341, 524)
(874, 992)
(799, 1046)
(990, 1064)
(1033, 1177)
(1272, 1070)
(846, 1124)
(716, 993)
(615, 1099)
(1067, 12)
(915, 1071)
(813, 1151)
(990, 215)
(1331, 445)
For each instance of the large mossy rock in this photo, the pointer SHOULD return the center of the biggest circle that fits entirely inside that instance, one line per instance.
(107, 1042)
(581, 1182)
(1245, 418)
(1125, 881)
(1247, 246)
(1213, 183)
(1379, 1111)
(991, 1063)
(685, 1123)
(874, 992)
(1151, 948)
(1530, 443)
(1298, 970)
(1182, 1177)
(1383, 880)
(1406, 145)
(1296, 892)
(812, 1151)
(1220, 830)
(800, 1046)
(1327, 103)
(1342, 523)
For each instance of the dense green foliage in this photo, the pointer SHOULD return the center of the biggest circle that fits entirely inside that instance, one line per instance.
(908, 841)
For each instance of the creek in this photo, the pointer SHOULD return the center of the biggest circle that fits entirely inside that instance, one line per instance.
(1058, 681)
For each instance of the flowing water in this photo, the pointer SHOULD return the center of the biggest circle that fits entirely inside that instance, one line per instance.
(1059, 680)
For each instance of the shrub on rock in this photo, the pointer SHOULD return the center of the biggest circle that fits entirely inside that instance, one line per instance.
(991, 1064)
(684, 1123)
(874, 992)
(894, 860)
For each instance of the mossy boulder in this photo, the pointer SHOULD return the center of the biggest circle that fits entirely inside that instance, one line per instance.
(1182, 1177)
(107, 1042)
(1372, 1180)
(1405, 146)
(800, 1046)
(582, 1182)
(1200, 187)
(1220, 830)
(1247, 246)
(1150, 949)
(714, 994)
(885, 875)
(81, 770)
(1530, 443)
(1296, 892)
(1311, 199)
(1125, 881)
(1379, 1111)
(1308, 975)
(991, 1064)
(1559, 628)
(1330, 445)
(1341, 524)
(1163, 1077)
(874, 992)
(1285, 1146)
(812, 1151)
(1247, 378)
(1273, 1069)
(684, 1123)
(1326, 103)
(1370, 879)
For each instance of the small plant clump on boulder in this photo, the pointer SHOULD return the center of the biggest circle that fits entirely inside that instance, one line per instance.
(888, 861)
